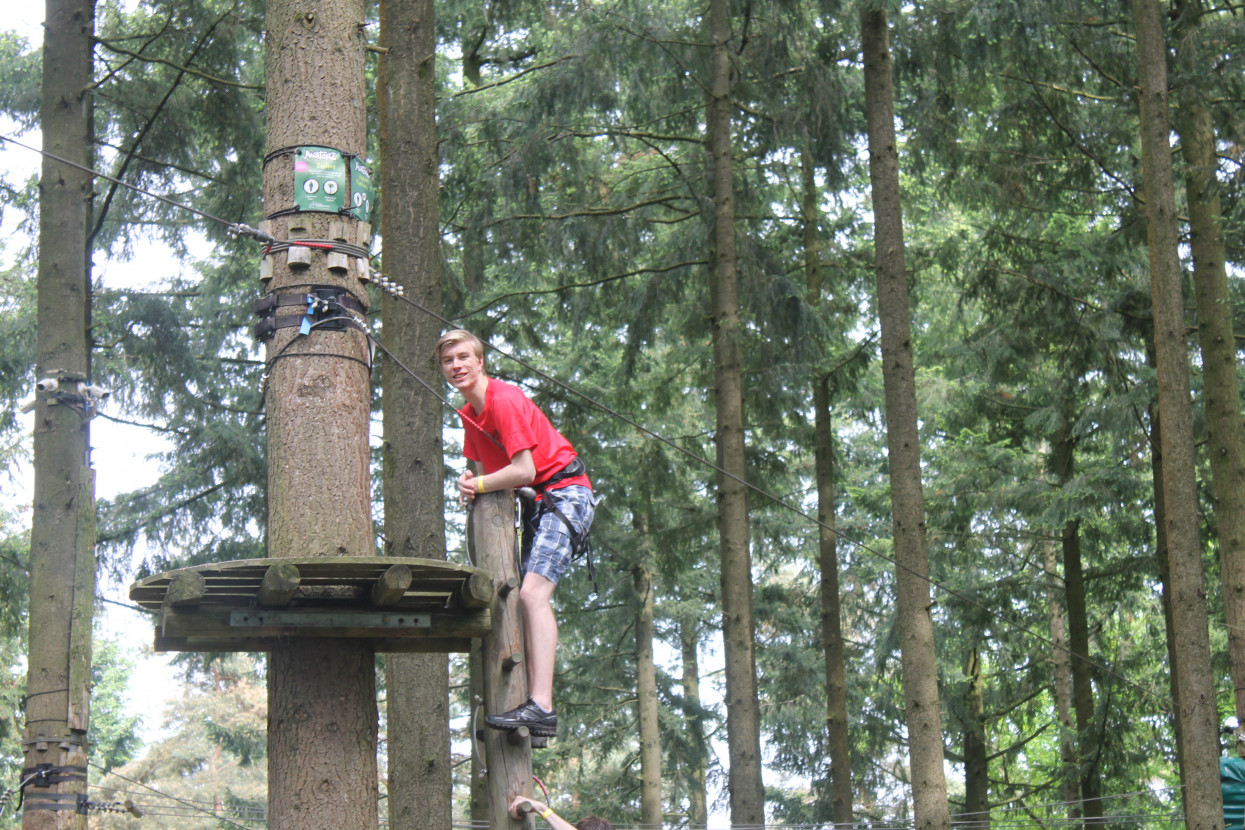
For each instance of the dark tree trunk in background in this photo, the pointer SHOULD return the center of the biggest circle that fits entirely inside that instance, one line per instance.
(828, 556)
(1061, 668)
(698, 791)
(1088, 745)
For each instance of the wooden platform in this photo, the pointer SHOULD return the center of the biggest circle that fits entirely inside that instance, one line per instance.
(396, 604)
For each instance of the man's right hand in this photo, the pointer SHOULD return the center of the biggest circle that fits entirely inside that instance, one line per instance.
(467, 487)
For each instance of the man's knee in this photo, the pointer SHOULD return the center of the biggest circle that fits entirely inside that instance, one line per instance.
(536, 592)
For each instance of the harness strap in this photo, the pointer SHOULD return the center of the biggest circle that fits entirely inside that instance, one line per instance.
(580, 543)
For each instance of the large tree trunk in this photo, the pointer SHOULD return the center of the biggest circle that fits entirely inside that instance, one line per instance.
(1087, 731)
(743, 712)
(62, 533)
(1224, 425)
(322, 695)
(1199, 739)
(697, 787)
(916, 626)
(828, 556)
(646, 697)
(417, 685)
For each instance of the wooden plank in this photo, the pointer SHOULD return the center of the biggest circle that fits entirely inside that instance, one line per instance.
(214, 624)
(429, 645)
(327, 580)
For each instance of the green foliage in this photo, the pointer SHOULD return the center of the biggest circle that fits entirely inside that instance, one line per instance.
(575, 212)
(207, 762)
(114, 734)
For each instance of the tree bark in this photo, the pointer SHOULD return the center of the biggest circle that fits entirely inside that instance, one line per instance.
(417, 685)
(1078, 639)
(697, 794)
(646, 698)
(1224, 425)
(479, 807)
(1061, 669)
(831, 614)
(62, 533)
(916, 627)
(976, 750)
(322, 695)
(743, 714)
(828, 556)
(1199, 738)
(1161, 551)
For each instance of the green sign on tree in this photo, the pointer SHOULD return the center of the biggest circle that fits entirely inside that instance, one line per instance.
(362, 191)
(319, 179)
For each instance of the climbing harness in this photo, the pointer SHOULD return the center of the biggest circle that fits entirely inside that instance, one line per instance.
(534, 508)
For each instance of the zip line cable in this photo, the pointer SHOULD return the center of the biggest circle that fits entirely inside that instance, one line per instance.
(239, 229)
(234, 228)
(181, 801)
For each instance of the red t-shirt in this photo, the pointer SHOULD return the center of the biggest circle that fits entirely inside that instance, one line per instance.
(516, 424)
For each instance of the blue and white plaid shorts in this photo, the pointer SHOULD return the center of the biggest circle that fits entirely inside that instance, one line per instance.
(550, 552)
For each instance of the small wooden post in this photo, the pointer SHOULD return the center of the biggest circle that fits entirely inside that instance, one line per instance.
(392, 585)
(279, 585)
(509, 763)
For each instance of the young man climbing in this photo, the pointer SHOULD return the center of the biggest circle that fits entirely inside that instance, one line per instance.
(512, 445)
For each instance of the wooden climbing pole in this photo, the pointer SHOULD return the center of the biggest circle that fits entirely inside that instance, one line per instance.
(508, 755)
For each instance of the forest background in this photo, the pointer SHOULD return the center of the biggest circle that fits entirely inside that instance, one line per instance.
(575, 207)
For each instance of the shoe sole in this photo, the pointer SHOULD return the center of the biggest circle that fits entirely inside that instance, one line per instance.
(533, 730)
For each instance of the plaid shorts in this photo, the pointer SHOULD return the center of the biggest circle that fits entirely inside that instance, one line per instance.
(550, 551)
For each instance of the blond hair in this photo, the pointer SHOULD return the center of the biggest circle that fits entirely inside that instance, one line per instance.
(450, 338)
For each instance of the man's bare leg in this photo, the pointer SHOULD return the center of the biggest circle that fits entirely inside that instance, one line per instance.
(540, 636)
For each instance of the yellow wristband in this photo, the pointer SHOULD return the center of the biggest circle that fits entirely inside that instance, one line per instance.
(480, 484)
(548, 812)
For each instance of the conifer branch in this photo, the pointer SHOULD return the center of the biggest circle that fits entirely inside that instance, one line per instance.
(151, 120)
(181, 433)
(1079, 93)
(589, 284)
(185, 70)
(574, 214)
(151, 518)
(1073, 137)
(516, 76)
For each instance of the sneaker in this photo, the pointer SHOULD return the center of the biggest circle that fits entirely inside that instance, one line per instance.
(539, 722)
